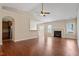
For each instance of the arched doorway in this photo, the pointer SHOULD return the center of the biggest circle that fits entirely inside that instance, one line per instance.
(7, 28)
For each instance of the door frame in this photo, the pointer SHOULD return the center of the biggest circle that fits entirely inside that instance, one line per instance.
(9, 18)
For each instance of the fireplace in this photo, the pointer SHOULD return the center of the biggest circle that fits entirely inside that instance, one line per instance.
(57, 33)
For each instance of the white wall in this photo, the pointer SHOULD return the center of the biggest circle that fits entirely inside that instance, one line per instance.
(22, 25)
(78, 27)
(61, 26)
(0, 31)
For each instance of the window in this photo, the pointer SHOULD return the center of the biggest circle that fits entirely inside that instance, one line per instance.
(69, 27)
(50, 28)
(33, 25)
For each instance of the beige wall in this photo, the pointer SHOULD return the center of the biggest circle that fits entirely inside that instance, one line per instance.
(78, 28)
(22, 22)
(61, 25)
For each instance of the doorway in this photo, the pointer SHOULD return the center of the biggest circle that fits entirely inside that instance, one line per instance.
(7, 29)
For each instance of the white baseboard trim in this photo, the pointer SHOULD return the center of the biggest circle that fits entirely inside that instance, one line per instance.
(26, 38)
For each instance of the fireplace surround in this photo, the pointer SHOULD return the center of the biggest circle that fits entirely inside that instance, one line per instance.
(57, 33)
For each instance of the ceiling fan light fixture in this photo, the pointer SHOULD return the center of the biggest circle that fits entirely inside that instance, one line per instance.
(43, 13)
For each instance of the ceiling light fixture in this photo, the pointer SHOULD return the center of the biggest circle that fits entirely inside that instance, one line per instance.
(44, 13)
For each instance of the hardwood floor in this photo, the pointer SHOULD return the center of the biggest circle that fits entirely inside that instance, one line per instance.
(35, 47)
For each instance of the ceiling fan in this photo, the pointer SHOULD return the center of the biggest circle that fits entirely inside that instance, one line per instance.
(44, 13)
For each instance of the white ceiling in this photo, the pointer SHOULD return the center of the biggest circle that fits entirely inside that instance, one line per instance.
(57, 10)
(21, 6)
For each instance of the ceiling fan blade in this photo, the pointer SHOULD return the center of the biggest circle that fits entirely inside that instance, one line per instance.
(46, 12)
(41, 12)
